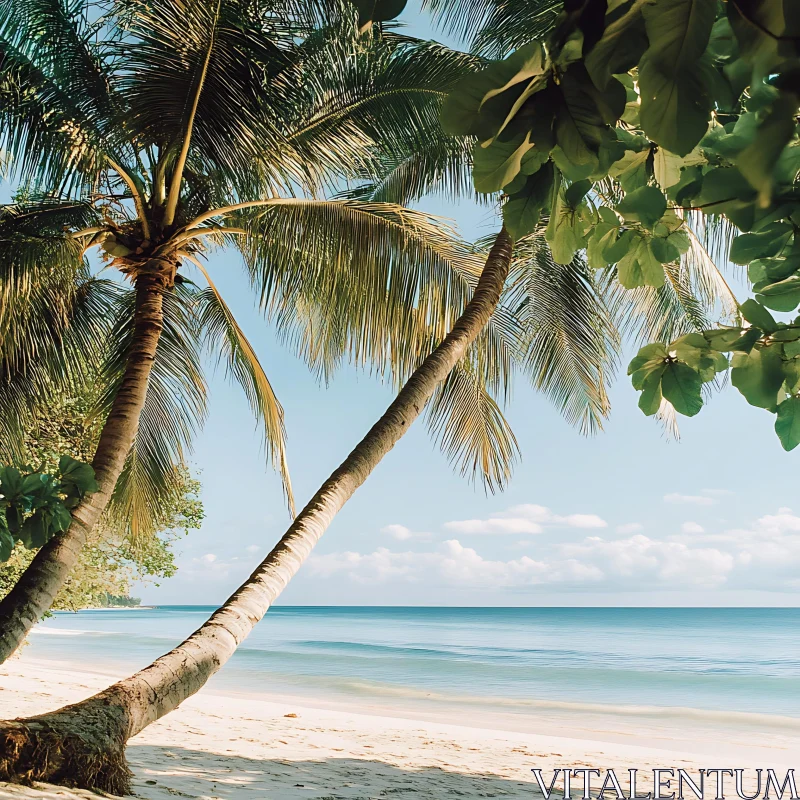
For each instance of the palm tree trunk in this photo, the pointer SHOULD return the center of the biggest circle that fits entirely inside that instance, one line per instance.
(33, 594)
(83, 745)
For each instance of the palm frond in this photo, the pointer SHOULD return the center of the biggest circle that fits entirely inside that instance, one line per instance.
(224, 338)
(221, 54)
(495, 27)
(438, 164)
(655, 315)
(63, 335)
(468, 424)
(53, 313)
(56, 103)
(363, 267)
(570, 341)
(174, 409)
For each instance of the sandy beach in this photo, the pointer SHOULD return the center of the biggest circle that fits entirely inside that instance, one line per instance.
(223, 746)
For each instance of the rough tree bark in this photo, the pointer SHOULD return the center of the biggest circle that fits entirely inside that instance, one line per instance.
(84, 744)
(36, 589)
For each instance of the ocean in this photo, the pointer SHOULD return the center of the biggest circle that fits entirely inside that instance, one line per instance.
(714, 663)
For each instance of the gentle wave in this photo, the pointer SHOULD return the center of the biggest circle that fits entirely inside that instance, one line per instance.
(740, 718)
(43, 631)
(714, 663)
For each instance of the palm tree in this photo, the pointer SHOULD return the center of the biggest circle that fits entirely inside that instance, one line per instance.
(84, 744)
(156, 133)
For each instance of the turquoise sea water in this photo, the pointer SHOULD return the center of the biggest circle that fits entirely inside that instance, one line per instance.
(513, 659)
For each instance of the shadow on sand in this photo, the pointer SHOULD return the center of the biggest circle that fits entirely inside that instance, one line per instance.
(179, 772)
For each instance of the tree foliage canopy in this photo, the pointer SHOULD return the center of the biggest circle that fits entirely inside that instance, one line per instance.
(113, 558)
(624, 125)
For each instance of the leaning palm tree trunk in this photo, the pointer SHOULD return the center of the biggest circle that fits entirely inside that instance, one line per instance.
(84, 744)
(33, 594)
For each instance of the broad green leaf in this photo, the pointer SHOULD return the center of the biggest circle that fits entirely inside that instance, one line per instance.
(498, 164)
(726, 191)
(787, 423)
(631, 169)
(620, 47)
(693, 349)
(777, 269)
(619, 248)
(791, 374)
(682, 386)
(758, 44)
(467, 112)
(60, 519)
(576, 191)
(674, 79)
(76, 474)
(650, 398)
(781, 296)
(646, 205)
(722, 43)
(746, 342)
(562, 239)
(667, 166)
(604, 234)
(722, 339)
(639, 267)
(664, 250)
(654, 350)
(688, 187)
(533, 160)
(6, 543)
(757, 315)
(758, 375)
(644, 370)
(523, 64)
(792, 349)
(768, 242)
(10, 482)
(786, 335)
(680, 241)
(757, 161)
(580, 128)
(522, 210)
(35, 531)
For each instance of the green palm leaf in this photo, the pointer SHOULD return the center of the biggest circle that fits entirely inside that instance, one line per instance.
(496, 27)
(53, 313)
(224, 337)
(366, 264)
(174, 409)
(468, 424)
(570, 339)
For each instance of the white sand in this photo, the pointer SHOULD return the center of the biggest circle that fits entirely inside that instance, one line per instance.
(218, 746)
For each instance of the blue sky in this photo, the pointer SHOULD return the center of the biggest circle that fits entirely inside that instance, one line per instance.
(623, 518)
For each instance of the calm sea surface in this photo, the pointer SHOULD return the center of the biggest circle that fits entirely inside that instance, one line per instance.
(730, 660)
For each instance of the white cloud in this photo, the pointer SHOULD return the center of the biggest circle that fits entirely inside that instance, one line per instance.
(209, 558)
(253, 548)
(399, 532)
(526, 518)
(692, 527)
(764, 556)
(630, 527)
(689, 499)
(511, 525)
(642, 561)
(635, 563)
(451, 564)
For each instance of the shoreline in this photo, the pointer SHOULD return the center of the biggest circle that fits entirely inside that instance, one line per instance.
(224, 744)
